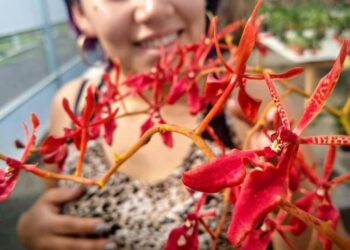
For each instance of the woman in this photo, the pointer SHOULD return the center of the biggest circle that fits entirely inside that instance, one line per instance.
(145, 200)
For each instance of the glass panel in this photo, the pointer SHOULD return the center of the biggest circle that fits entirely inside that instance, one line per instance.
(64, 43)
(22, 64)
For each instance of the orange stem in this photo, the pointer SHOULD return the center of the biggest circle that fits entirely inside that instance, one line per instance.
(146, 137)
(217, 107)
(52, 175)
(83, 145)
(321, 226)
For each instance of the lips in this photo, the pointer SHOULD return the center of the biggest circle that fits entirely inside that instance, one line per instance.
(157, 41)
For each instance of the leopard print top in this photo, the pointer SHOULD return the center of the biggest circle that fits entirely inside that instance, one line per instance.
(141, 214)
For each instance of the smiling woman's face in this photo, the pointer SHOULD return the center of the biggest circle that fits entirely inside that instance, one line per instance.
(134, 30)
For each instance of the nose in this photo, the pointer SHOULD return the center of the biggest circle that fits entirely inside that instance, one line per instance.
(153, 10)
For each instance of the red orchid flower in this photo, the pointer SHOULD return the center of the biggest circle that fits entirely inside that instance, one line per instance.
(185, 237)
(195, 101)
(156, 118)
(191, 66)
(259, 238)
(262, 190)
(8, 178)
(55, 150)
(249, 105)
(319, 200)
(285, 144)
(86, 127)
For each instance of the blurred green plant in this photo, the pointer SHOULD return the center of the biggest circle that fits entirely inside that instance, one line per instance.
(304, 25)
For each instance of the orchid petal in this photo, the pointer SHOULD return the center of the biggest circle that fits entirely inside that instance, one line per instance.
(89, 108)
(179, 239)
(256, 240)
(261, 192)
(70, 113)
(278, 76)
(329, 163)
(195, 102)
(226, 171)
(146, 125)
(51, 143)
(323, 90)
(277, 100)
(177, 90)
(343, 140)
(140, 82)
(214, 86)
(247, 41)
(249, 105)
(109, 127)
(327, 212)
(8, 185)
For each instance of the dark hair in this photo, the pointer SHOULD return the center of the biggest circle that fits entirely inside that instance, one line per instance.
(91, 43)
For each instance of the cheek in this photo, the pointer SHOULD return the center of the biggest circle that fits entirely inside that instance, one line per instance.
(114, 35)
(193, 13)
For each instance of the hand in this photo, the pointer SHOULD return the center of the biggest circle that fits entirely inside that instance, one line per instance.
(43, 227)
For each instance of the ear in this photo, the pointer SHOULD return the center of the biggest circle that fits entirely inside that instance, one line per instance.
(82, 21)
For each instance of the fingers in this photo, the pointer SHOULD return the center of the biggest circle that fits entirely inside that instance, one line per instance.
(65, 243)
(70, 225)
(61, 195)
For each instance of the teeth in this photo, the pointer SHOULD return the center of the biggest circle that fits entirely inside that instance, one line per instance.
(160, 41)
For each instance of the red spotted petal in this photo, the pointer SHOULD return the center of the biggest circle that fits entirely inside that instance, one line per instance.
(284, 75)
(249, 105)
(226, 171)
(323, 90)
(326, 140)
(277, 100)
(260, 194)
(180, 239)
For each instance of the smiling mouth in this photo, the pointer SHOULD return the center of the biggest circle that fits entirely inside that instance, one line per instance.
(161, 41)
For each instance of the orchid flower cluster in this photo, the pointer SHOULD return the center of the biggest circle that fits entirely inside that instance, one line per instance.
(260, 184)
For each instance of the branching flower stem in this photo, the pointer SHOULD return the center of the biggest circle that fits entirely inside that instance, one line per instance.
(162, 128)
(33, 168)
(321, 226)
